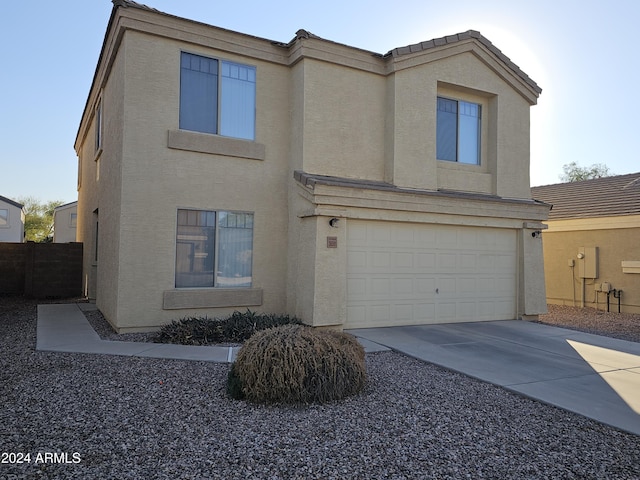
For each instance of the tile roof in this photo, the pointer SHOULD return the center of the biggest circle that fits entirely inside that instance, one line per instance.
(131, 3)
(459, 37)
(396, 52)
(599, 197)
(312, 180)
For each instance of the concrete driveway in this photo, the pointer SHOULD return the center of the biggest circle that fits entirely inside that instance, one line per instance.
(595, 376)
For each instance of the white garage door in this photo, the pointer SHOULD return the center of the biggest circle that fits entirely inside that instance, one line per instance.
(409, 274)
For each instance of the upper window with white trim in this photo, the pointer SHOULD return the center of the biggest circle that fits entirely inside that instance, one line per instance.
(458, 131)
(217, 96)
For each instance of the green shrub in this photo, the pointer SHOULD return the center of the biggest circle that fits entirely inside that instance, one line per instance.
(234, 385)
(297, 364)
(234, 329)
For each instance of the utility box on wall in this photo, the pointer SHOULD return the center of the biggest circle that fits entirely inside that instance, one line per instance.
(588, 262)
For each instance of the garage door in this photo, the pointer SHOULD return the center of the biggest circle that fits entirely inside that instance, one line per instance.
(410, 274)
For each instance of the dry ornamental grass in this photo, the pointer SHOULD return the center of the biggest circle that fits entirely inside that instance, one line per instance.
(297, 364)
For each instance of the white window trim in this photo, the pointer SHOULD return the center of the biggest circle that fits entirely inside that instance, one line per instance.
(216, 252)
(220, 60)
(458, 93)
(8, 225)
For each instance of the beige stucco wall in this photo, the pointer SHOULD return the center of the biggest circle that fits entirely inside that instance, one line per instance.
(156, 180)
(562, 243)
(342, 121)
(366, 125)
(99, 189)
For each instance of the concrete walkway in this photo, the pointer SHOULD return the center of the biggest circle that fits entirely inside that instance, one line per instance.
(595, 376)
(64, 328)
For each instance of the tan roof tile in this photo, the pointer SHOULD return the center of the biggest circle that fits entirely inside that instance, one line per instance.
(469, 34)
(599, 197)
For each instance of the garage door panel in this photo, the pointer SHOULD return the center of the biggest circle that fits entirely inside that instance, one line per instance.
(504, 263)
(403, 286)
(447, 261)
(446, 311)
(380, 287)
(403, 312)
(425, 236)
(357, 315)
(425, 260)
(446, 237)
(381, 260)
(467, 286)
(403, 236)
(468, 261)
(423, 312)
(446, 286)
(357, 287)
(466, 311)
(486, 286)
(411, 274)
(425, 286)
(403, 260)
(380, 313)
(379, 235)
(357, 260)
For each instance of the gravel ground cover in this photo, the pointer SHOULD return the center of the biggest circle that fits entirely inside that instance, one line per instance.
(123, 417)
(625, 326)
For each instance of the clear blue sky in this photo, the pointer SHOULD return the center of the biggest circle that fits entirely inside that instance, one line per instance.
(583, 53)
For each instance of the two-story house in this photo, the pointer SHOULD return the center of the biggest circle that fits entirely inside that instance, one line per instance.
(11, 221)
(65, 220)
(221, 171)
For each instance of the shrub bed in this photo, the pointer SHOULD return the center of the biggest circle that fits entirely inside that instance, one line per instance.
(234, 329)
(296, 364)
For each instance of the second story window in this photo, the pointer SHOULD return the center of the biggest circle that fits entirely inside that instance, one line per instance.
(217, 96)
(98, 139)
(458, 131)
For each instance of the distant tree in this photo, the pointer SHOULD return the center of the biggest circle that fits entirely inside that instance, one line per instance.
(575, 173)
(38, 222)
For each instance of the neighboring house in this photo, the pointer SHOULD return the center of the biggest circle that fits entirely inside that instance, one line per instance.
(65, 218)
(11, 221)
(592, 246)
(221, 171)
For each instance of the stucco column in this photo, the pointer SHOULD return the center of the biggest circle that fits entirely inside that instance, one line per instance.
(532, 292)
(330, 299)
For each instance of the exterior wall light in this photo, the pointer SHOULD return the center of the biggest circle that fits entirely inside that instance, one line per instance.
(334, 222)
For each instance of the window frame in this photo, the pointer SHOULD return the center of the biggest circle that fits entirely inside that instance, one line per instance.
(99, 125)
(216, 249)
(219, 125)
(479, 131)
(7, 218)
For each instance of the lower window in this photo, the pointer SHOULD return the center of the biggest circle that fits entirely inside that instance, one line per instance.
(214, 249)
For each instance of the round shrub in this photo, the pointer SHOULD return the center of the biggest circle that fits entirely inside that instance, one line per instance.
(297, 364)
